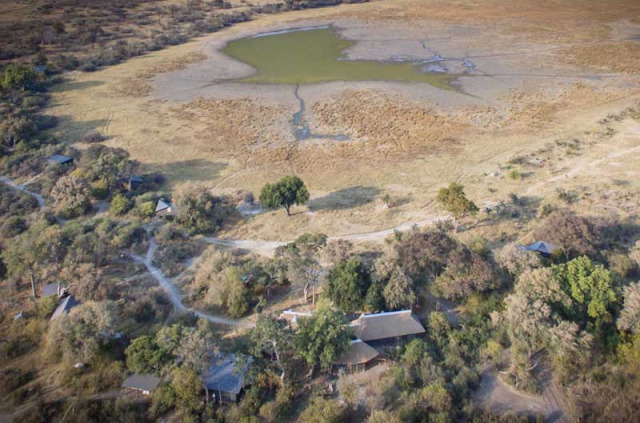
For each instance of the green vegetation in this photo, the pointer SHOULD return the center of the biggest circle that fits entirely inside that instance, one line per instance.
(456, 202)
(285, 193)
(322, 338)
(312, 56)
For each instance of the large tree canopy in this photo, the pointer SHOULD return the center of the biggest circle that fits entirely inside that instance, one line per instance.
(590, 287)
(285, 193)
(347, 285)
(198, 210)
(322, 338)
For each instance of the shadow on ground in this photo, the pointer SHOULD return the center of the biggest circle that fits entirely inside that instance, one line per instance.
(345, 198)
(70, 86)
(71, 130)
(189, 170)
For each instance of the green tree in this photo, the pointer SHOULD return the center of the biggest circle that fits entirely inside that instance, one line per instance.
(456, 202)
(374, 300)
(198, 210)
(285, 193)
(144, 355)
(119, 205)
(17, 78)
(71, 196)
(322, 410)
(35, 254)
(322, 338)
(591, 288)
(82, 334)
(273, 337)
(186, 386)
(347, 285)
(398, 293)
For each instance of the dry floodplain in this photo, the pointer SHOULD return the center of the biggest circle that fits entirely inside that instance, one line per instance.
(501, 86)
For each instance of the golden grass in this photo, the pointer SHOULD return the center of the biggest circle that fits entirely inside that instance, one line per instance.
(402, 148)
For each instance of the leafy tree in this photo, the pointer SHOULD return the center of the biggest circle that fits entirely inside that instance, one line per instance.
(590, 287)
(629, 319)
(81, 334)
(119, 205)
(577, 235)
(17, 78)
(398, 293)
(108, 165)
(186, 386)
(456, 202)
(515, 260)
(144, 355)
(71, 196)
(198, 210)
(374, 300)
(35, 254)
(381, 416)
(467, 272)
(301, 259)
(273, 337)
(322, 338)
(285, 193)
(347, 285)
(321, 410)
(423, 255)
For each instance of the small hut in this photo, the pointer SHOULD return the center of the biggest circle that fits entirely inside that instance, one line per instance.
(59, 159)
(545, 249)
(164, 208)
(358, 357)
(224, 379)
(144, 384)
(388, 327)
(66, 304)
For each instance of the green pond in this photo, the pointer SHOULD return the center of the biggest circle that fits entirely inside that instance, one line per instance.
(316, 55)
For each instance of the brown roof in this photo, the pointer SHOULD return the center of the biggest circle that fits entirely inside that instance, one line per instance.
(359, 352)
(371, 327)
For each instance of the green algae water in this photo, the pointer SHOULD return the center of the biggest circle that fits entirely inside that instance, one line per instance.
(316, 55)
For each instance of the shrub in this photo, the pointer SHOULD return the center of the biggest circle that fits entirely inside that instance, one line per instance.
(99, 190)
(514, 174)
(119, 205)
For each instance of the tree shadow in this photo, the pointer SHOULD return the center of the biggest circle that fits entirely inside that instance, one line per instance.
(71, 130)
(70, 86)
(345, 198)
(196, 170)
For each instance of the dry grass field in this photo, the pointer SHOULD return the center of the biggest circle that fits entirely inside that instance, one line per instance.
(541, 81)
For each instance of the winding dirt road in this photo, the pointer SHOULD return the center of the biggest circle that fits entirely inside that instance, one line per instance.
(172, 292)
(18, 187)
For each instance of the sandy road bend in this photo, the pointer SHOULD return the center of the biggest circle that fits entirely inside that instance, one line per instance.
(15, 186)
(172, 292)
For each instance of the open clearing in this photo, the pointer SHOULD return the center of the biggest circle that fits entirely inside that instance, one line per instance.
(525, 81)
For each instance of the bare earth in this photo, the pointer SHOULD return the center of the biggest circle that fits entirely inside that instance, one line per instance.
(537, 79)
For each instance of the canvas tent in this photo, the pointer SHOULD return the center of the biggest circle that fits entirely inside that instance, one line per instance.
(164, 208)
(66, 304)
(60, 159)
(142, 383)
(224, 380)
(543, 248)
